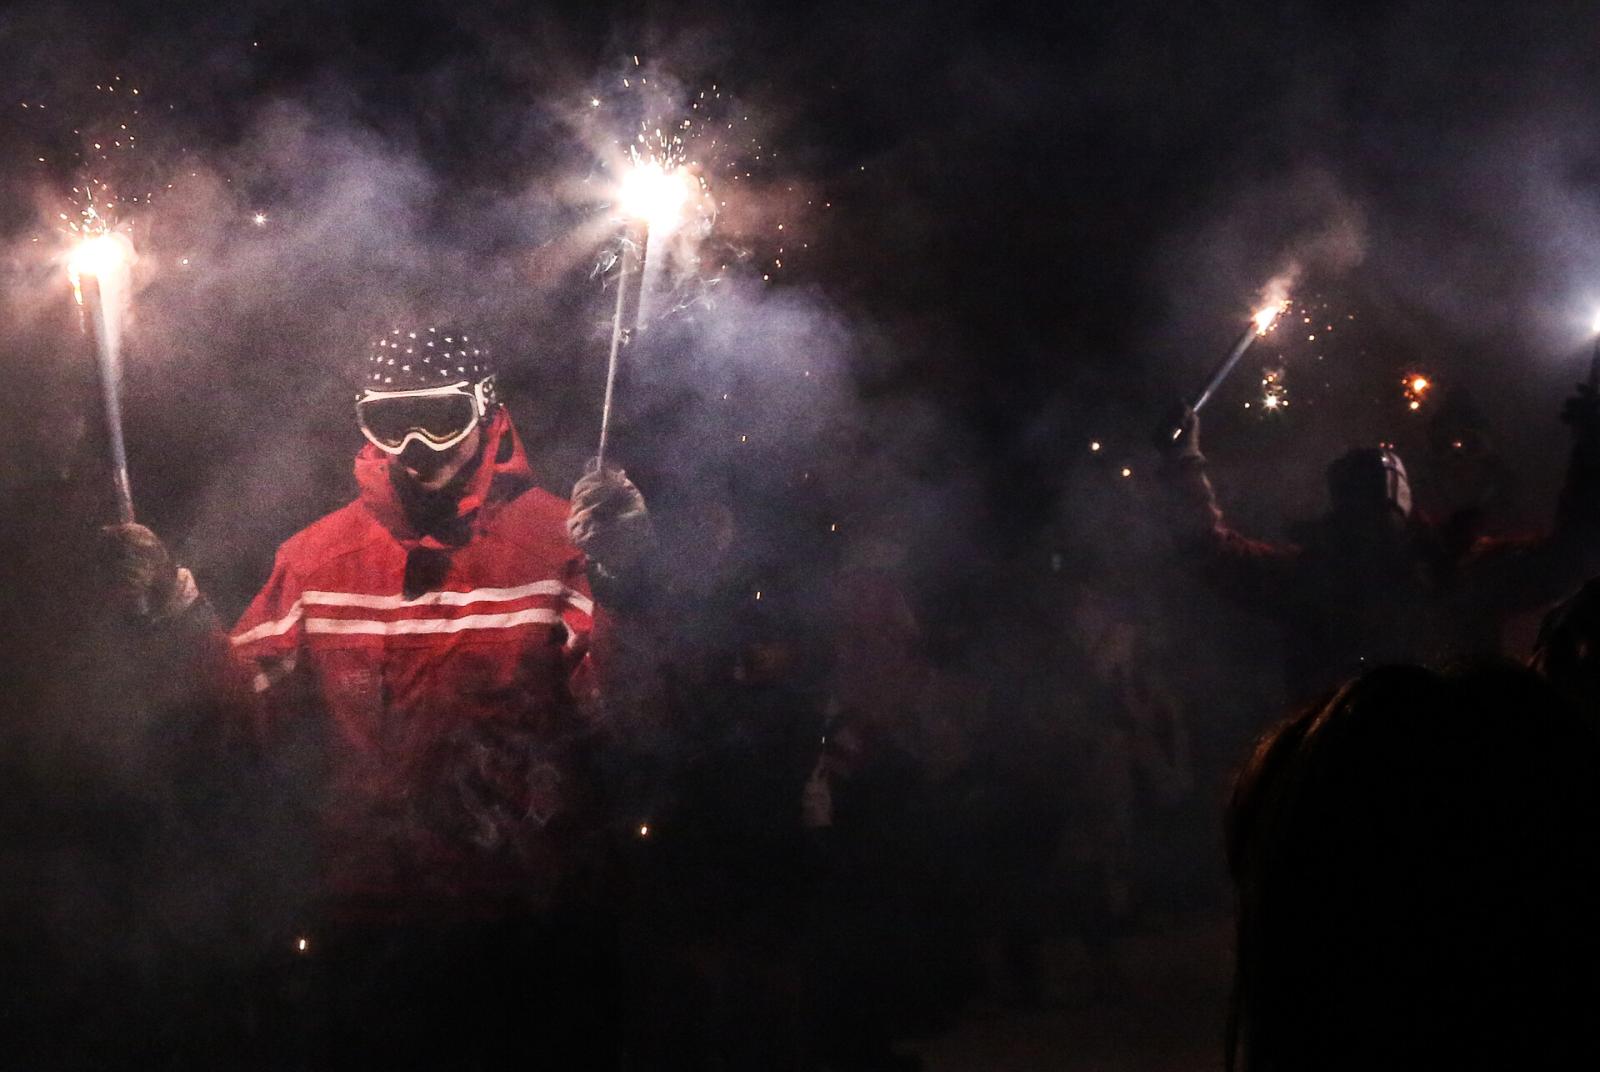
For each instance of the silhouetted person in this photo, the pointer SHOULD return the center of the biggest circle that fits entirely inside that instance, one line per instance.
(1417, 863)
(1567, 651)
(1371, 582)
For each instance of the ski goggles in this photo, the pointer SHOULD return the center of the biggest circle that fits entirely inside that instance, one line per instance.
(436, 417)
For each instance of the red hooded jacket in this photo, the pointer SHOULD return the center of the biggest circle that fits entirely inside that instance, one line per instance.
(447, 674)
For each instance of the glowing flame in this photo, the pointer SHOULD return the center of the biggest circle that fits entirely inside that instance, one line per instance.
(655, 195)
(102, 255)
(1265, 316)
(98, 256)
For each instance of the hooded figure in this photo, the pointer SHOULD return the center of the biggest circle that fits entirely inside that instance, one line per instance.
(431, 646)
(1372, 583)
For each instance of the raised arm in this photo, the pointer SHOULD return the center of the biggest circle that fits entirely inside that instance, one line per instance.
(1256, 574)
(1510, 575)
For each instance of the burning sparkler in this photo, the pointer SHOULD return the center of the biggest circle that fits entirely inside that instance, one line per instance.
(654, 199)
(100, 271)
(1260, 323)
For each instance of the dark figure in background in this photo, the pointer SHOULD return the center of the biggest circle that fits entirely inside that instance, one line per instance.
(1417, 863)
(1567, 651)
(431, 649)
(1371, 582)
(719, 864)
(118, 853)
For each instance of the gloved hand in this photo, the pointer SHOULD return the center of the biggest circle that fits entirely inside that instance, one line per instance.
(609, 521)
(142, 579)
(1581, 413)
(1178, 434)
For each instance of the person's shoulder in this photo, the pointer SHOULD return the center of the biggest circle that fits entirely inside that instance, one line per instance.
(344, 531)
(534, 516)
(540, 506)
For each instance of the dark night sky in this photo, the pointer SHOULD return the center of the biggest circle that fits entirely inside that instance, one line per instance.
(1046, 221)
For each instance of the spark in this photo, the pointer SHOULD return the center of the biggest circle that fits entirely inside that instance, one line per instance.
(644, 829)
(301, 945)
(1274, 393)
(1094, 446)
(1414, 388)
(1126, 472)
(259, 219)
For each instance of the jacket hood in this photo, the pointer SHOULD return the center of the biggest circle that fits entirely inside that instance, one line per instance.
(501, 474)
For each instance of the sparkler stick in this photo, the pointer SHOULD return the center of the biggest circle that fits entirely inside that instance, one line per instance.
(1594, 359)
(616, 346)
(651, 198)
(98, 269)
(1260, 323)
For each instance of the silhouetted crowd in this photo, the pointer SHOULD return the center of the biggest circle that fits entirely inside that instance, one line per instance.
(761, 808)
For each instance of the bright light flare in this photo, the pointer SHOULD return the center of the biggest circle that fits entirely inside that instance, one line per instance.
(1594, 324)
(106, 256)
(655, 195)
(1266, 315)
(99, 256)
(1274, 393)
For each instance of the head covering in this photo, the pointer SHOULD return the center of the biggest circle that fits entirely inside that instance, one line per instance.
(414, 359)
(1369, 478)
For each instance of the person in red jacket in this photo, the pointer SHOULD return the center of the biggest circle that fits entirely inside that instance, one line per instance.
(435, 641)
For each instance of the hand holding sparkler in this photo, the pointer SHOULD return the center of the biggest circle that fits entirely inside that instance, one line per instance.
(1185, 422)
(609, 521)
(141, 577)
